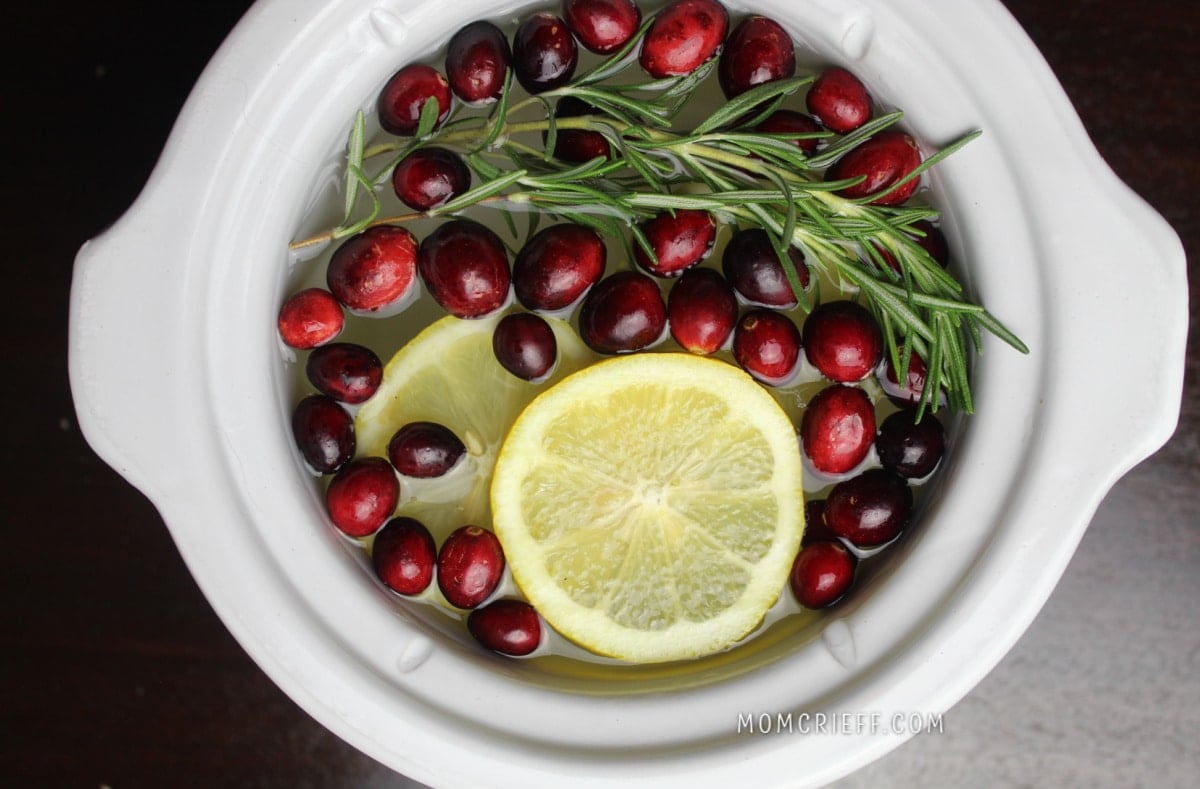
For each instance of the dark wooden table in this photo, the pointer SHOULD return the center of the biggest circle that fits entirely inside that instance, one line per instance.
(113, 668)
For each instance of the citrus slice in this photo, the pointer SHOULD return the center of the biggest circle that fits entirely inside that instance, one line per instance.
(449, 374)
(650, 506)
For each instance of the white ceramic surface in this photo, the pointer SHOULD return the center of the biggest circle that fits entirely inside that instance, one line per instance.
(194, 272)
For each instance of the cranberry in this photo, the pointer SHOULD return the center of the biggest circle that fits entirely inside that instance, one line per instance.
(683, 36)
(870, 509)
(767, 345)
(701, 311)
(557, 266)
(477, 61)
(680, 240)
(544, 53)
(405, 94)
(815, 527)
(838, 428)
(362, 496)
(510, 627)
(345, 371)
(624, 312)
(465, 267)
(525, 345)
(822, 573)
(425, 449)
(469, 566)
(884, 160)
(929, 238)
(842, 339)
(753, 269)
(910, 448)
(602, 26)
(374, 272)
(430, 177)
(309, 318)
(403, 555)
(786, 121)
(757, 51)
(913, 387)
(839, 100)
(577, 145)
(324, 433)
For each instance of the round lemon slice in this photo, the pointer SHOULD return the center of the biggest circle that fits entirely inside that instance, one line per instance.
(650, 506)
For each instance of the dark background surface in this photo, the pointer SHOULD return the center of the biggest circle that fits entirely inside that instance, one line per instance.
(115, 671)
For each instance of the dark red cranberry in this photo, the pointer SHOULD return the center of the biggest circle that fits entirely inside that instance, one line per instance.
(815, 527)
(324, 433)
(430, 177)
(839, 100)
(767, 345)
(914, 382)
(753, 269)
(843, 341)
(883, 161)
(345, 371)
(403, 555)
(405, 94)
(757, 51)
(309, 318)
(910, 448)
(469, 566)
(622, 313)
(557, 265)
(786, 121)
(362, 496)
(870, 509)
(465, 267)
(425, 449)
(929, 238)
(701, 311)
(510, 627)
(822, 573)
(374, 271)
(477, 61)
(683, 36)
(544, 53)
(602, 26)
(680, 240)
(525, 345)
(838, 428)
(577, 145)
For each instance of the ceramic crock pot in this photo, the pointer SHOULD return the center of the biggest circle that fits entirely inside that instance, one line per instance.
(193, 274)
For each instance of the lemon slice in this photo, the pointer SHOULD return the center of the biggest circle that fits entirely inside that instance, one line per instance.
(449, 374)
(650, 506)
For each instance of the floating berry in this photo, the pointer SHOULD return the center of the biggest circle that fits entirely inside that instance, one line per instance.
(753, 269)
(405, 95)
(843, 341)
(837, 429)
(465, 266)
(757, 51)
(870, 509)
(309, 318)
(403, 555)
(425, 450)
(701, 311)
(362, 496)
(785, 121)
(544, 53)
(822, 573)
(577, 145)
(623, 313)
(430, 177)
(477, 60)
(929, 238)
(324, 433)
(909, 448)
(347, 372)
(680, 240)
(839, 100)
(883, 161)
(913, 387)
(510, 627)
(815, 527)
(557, 266)
(469, 566)
(683, 36)
(767, 345)
(374, 272)
(602, 26)
(525, 345)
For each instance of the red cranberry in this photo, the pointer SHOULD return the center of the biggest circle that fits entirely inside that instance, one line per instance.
(822, 573)
(345, 371)
(838, 428)
(683, 36)
(842, 339)
(362, 496)
(374, 272)
(577, 145)
(757, 51)
(870, 509)
(425, 449)
(405, 94)
(910, 448)
(884, 160)
(815, 527)
(933, 240)
(469, 566)
(309, 318)
(430, 177)
(602, 26)
(753, 269)
(786, 121)
(465, 266)
(324, 433)
(525, 345)
(680, 240)
(767, 345)
(510, 627)
(913, 387)
(477, 60)
(839, 100)
(544, 53)
(557, 266)
(624, 312)
(701, 311)
(403, 555)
